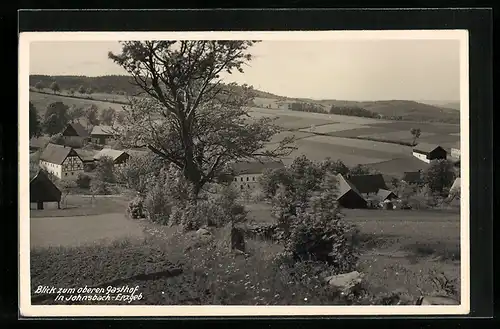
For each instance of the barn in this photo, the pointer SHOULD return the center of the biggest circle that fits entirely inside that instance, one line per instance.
(102, 134)
(428, 152)
(368, 185)
(75, 135)
(42, 191)
(119, 157)
(349, 196)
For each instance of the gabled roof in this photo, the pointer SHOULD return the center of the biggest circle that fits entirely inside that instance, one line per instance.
(113, 154)
(346, 186)
(78, 128)
(456, 185)
(103, 130)
(412, 177)
(54, 153)
(85, 155)
(255, 167)
(426, 148)
(43, 190)
(384, 194)
(39, 142)
(368, 183)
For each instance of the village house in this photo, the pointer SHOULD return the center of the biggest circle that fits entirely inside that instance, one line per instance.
(62, 161)
(428, 152)
(119, 157)
(43, 190)
(102, 135)
(349, 196)
(455, 150)
(372, 188)
(75, 135)
(246, 174)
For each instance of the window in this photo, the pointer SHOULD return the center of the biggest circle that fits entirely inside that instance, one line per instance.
(247, 179)
(241, 186)
(72, 173)
(65, 174)
(253, 178)
(242, 179)
(235, 179)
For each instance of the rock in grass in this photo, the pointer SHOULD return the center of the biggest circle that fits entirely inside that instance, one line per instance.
(346, 283)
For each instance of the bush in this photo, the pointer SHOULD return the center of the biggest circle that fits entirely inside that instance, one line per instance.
(136, 208)
(83, 181)
(105, 170)
(99, 187)
(140, 171)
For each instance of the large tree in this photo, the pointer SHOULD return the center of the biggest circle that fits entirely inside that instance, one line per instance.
(56, 118)
(91, 114)
(107, 116)
(55, 87)
(35, 128)
(439, 176)
(191, 118)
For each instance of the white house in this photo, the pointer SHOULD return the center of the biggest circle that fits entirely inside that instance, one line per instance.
(428, 152)
(61, 161)
(455, 150)
(246, 173)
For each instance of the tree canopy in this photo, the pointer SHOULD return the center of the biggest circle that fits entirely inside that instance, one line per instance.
(56, 118)
(191, 118)
(35, 128)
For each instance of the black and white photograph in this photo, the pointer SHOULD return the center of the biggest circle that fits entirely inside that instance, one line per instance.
(244, 173)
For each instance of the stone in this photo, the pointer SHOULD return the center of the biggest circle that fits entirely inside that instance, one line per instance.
(346, 283)
(437, 300)
(203, 231)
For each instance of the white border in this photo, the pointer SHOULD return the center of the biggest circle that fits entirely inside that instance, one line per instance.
(28, 310)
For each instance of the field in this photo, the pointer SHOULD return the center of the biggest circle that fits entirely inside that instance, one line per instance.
(399, 249)
(354, 140)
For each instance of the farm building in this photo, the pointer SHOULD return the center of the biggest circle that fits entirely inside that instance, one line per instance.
(37, 143)
(42, 191)
(102, 134)
(428, 152)
(87, 157)
(386, 195)
(413, 177)
(119, 157)
(368, 184)
(455, 151)
(61, 161)
(75, 135)
(349, 196)
(246, 173)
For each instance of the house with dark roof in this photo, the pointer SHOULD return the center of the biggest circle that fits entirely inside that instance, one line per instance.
(349, 196)
(413, 177)
(75, 135)
(43, 190)
(102, 135)
(119, 157)
(62, 161)
(428, 152)
(368, 184)
(246, 173)
(455, 150)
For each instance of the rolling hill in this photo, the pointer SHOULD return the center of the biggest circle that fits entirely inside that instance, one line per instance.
(108, 87)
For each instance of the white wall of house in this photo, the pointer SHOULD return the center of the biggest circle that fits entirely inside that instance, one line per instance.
(422, 157)
(52, 168)
(248, 181)
(46, 205)
(70, 168)
(455, 153)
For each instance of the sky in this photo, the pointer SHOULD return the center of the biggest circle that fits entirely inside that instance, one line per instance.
(361, 70)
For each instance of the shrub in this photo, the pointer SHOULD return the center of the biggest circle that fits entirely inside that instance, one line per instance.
(157, 203)
(140, 171)
(83, 181)
(99, 187)
(105, 170)
(439, 176)
(136, 208)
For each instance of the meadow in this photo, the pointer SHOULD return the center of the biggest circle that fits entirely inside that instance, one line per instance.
(399, 251)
